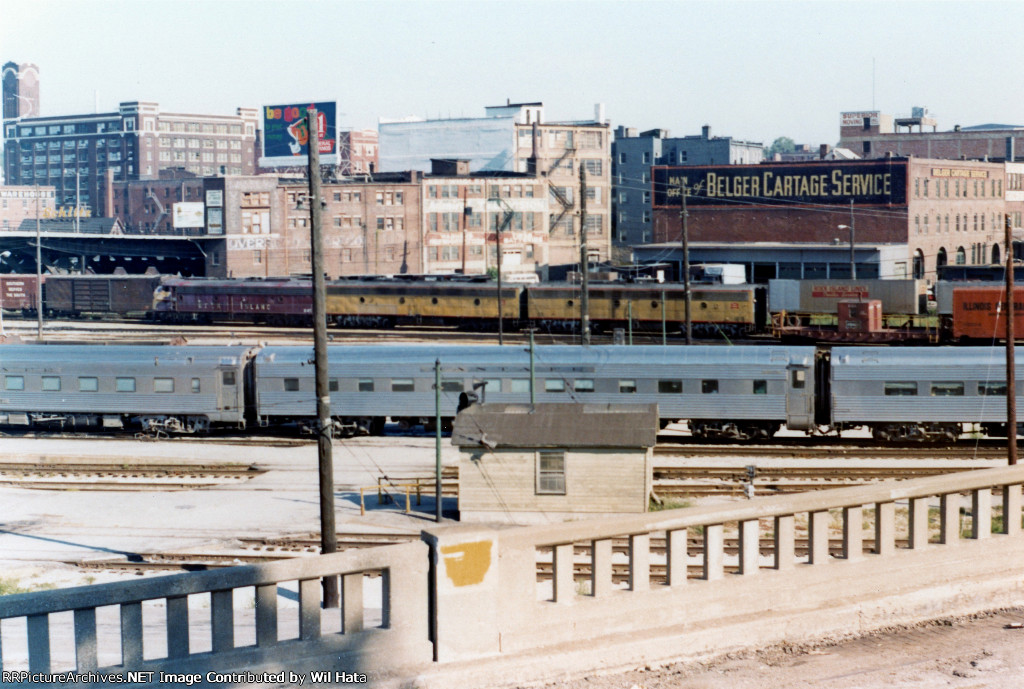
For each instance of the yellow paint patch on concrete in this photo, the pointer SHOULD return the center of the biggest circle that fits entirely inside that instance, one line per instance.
(467, 564)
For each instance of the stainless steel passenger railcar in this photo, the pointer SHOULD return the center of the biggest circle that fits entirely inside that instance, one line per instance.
(151, 388)
(734, 392)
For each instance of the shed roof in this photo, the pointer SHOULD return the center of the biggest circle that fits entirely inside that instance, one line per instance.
(557, 425)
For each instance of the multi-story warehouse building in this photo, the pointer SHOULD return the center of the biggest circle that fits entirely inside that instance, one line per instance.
(515, 137)
(939, 211)
(358, 151)
(20, 91)
(21, 203)
(76, 154)
(633, 155)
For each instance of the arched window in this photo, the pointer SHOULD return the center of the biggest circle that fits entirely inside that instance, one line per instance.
(995, 254)
(918, 264)
(961, 256)
(940, 258)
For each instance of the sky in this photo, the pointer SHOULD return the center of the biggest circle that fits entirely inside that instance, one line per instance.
(751, 70)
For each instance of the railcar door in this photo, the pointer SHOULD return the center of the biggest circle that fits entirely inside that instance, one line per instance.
(799, 396)
(230, 400)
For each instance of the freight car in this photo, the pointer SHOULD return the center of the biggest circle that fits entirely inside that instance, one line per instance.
(74, 296)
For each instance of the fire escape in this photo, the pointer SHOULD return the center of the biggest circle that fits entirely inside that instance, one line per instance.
(566, 204)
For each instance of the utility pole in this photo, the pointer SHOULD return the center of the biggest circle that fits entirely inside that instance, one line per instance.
(505, 223)
(439, 511)
(328, 535)
(684, 191)
(1011, 368)
(584, 267)
(39, 274)
(853, 264)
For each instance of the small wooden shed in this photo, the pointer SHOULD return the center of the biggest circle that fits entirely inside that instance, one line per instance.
(526, 464)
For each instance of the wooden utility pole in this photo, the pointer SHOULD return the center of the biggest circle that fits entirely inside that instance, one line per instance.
(39, 273)
(1011, 368)
(585, 298)
(684, 191)
(328, 535)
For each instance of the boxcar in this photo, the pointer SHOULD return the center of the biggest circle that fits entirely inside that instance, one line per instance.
(117, 295)
(153, 388)
(18, 293)
(736, 392)
(912, 393)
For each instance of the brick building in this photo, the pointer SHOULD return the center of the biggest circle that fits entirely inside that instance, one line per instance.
(20, 91)
(147, 206)
(942, 211)
(23, 203)
(358, 152)
(80, 155)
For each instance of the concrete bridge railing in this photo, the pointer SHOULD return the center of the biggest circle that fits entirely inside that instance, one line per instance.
(467, 605)
(399, 640)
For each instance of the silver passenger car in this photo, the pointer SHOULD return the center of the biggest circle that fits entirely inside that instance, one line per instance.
(919, 393)
(739, 392)
(154, 388)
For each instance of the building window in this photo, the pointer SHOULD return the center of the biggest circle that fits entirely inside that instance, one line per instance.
(551, 472)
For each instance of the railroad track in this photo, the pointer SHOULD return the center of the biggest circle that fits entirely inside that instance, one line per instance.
(115, 477)
(832, 451)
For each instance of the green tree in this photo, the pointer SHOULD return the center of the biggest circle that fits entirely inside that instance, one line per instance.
(781, 145)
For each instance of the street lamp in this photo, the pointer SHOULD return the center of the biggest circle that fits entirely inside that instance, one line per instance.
(853, 267)
(3, 255)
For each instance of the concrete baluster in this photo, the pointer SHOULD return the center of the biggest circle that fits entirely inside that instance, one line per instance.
(131, 634)
(601, 567)
(639, 562)
(981, 511)
(1011, 510)
(676, 556)
(564, 579)
(949, 527)
(918, 522)
(885, 528)
(817, 531)
(714, 551)
(177, 627)
(85, 639)
(222, 620)
(785, 542)
(853, 532)
(750, 546)
(266, 615)
(352, 603)
(309, 609)
(39, 643)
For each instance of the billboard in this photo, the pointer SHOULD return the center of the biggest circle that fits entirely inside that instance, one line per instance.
(869, 183)
(189, 214)
(286, 136)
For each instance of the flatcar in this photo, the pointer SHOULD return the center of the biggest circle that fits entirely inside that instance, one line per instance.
(156, 389)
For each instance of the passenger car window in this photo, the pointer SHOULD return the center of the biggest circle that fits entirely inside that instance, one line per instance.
(991, 389)
(51, 383)
(554, 385)
(900, 389)
(402, 385)
(947, 389)
(799, 378)
(670, 386)
(88, 384)
(124, 385)
(228, 377)
(291, 384)
(195, 385)
(163, 385)
(627, 386)
(365, 385)
(519, 385)
(760, 387)
(451, 386)
(583, 385)
(14, 382)
(708, 387)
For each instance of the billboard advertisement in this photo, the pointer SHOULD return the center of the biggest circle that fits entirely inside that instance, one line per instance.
(189, 214)
(286, 136)
(869, 183)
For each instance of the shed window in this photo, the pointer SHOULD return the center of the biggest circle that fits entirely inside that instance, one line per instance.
(709, 387)
(519, 385)
(583, 385)
(627, 386)
(992, 389)
(291, 384)
(554, 385)
(402, 385)
(760, 387)
(124, 385)
(365, 385)
(163, 385)
(88, 384)
(14, 382)
(670, 386)
(551, 472)
(947, 389)
(901, 389)
(51, 383)
(451, 386)
(195, 385)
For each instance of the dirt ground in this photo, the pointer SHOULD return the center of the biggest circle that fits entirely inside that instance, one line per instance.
(982, 652)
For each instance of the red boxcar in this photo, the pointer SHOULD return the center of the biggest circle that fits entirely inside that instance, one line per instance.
(18, 293)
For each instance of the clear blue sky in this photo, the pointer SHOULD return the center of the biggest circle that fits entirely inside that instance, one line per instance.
(752, 70)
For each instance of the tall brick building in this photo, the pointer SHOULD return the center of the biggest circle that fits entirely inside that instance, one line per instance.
(942, 211)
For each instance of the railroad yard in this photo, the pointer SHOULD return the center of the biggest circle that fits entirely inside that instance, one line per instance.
(91, 508)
